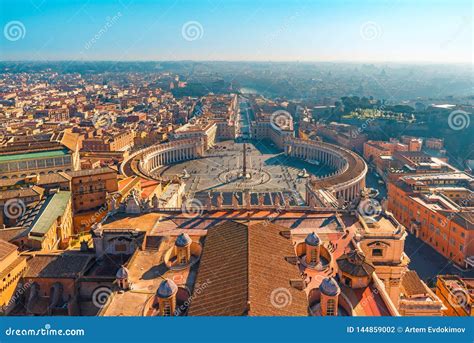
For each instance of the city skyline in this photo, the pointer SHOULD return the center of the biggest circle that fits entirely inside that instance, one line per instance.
(220, 159)
(301, 31)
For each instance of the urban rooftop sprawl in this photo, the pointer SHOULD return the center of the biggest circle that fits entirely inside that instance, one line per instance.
(224, 189)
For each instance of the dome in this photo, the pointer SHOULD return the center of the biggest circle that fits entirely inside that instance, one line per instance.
(354, 264)
(356, 257)
(183, 240)
(329, 287)
(312, 239)
(122, 273)
(167, 288)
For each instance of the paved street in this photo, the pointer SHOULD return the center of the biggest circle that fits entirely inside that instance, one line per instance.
(427, 262)
(424, 259)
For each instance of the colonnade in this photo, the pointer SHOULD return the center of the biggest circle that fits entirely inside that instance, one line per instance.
(350, 169)
(164, 154)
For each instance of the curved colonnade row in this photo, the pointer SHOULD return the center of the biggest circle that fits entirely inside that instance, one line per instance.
(345, 183)
(160, 155)
(349, 177)
(146, 161)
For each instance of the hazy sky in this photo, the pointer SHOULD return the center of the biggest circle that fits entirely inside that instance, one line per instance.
(357, 30)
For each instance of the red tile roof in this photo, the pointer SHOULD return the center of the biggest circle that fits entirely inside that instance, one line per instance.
(243, 271)
(6, 249)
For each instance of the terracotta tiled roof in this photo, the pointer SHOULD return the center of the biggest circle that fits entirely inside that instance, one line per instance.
(21, 193)
(6, 249)
(367, 301)
(70, 140)
(10, 234)
(221, 287)
(270, 274)
(243, 271)
(90, 172)
(354, 263)
(57, 266)
(412, 284)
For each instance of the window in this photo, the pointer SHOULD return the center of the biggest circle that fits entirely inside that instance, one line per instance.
(377, 252)
(120, 247)
(331, 307)
(166, 309)
(313, 255)
(348, 282)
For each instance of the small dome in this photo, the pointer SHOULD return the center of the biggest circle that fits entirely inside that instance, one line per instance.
(167, 288)
(312, 239)
(329, 287)
(183, 240)
(122, 273)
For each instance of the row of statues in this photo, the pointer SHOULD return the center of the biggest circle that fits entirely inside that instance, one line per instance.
(245, 199)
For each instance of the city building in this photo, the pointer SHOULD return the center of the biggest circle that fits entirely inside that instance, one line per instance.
(437, 208)
(457, 294)
(12, 267)
(416, 299)
(39, 155)
(48, 223)
(91, 191)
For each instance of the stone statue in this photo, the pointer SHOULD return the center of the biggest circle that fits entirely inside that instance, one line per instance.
(155, 202)
(146, 205)
(209, 200)
(132, 204)
(235, 200)
(248, 201)
(277, 200)
(220, 200)
(113, 203)
(185, 174)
